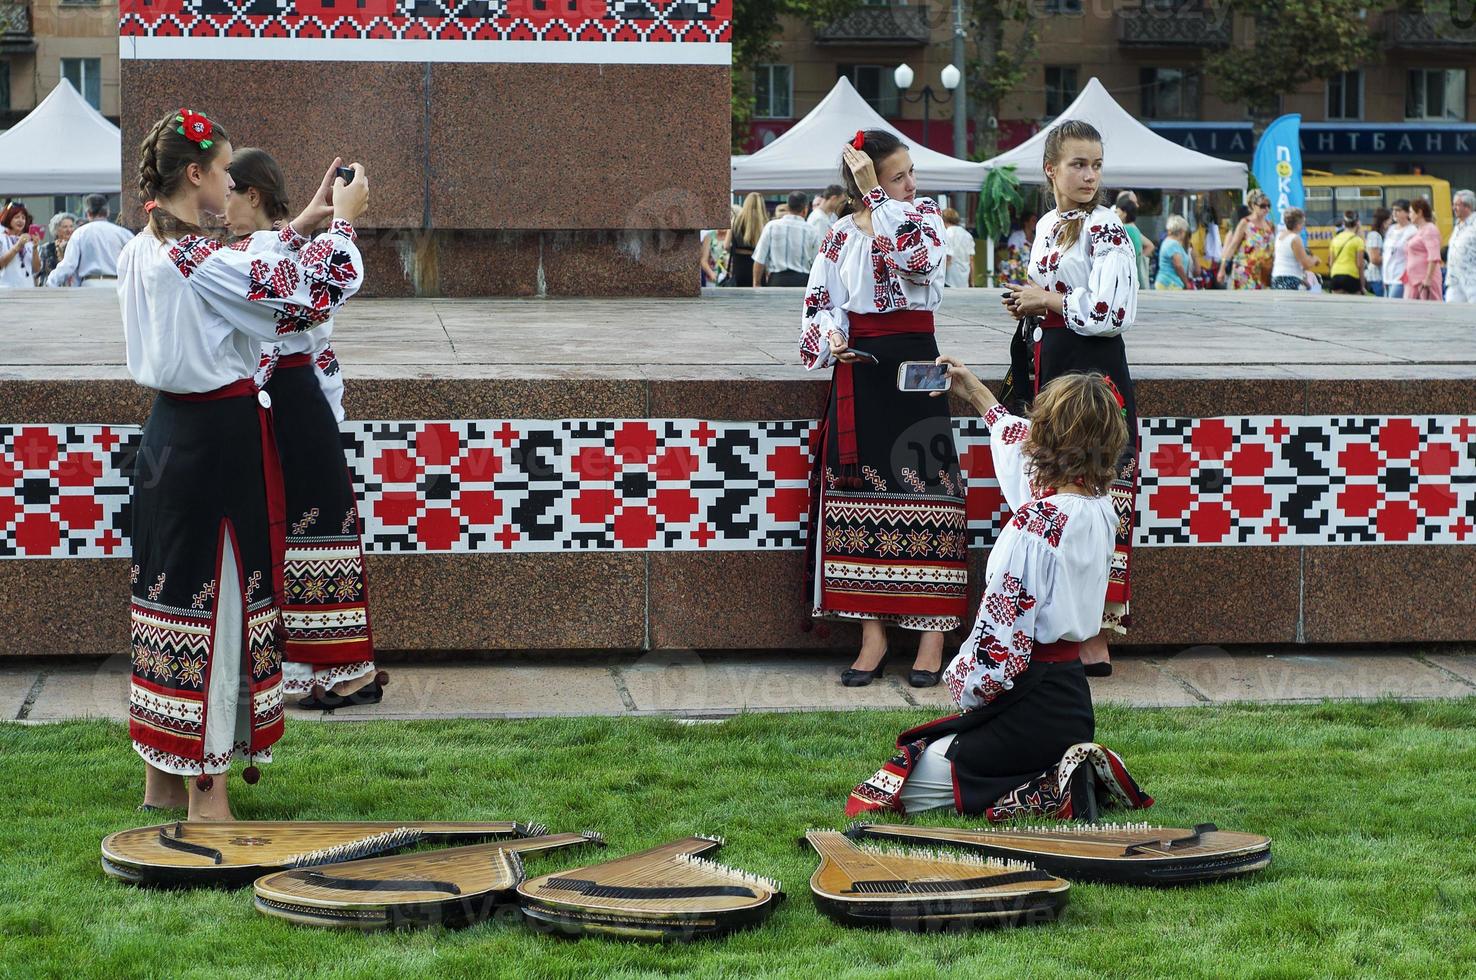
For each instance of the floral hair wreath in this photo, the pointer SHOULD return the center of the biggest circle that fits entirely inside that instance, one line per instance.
(859, 140)
(194, 127)
(1117, 395)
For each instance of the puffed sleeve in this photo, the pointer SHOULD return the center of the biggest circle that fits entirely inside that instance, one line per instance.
(284, 241)
(270, 295)
(1006, 441)
(1108, 303)
(825, 298)
(999, 646)
(911, 235)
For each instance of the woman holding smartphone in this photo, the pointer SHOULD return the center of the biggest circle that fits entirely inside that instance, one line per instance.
(1082, 295)
(208, 510)
(888, 538)
(328, 660)
(20, 248)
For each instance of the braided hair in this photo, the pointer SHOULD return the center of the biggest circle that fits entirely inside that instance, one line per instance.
(164, 156)
(1055, 145)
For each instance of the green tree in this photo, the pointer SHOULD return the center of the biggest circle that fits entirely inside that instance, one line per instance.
(1296, 41)
(756, 30)
(998, 63)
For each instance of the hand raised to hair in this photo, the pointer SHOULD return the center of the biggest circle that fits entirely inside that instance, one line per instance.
(861, 168)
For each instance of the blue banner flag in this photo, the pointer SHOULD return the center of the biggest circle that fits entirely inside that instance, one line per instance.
(1278, 164)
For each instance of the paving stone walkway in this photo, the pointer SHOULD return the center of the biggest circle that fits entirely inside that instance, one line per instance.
(692, 685)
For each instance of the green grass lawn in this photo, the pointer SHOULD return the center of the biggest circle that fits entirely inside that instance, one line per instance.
(1372, 808)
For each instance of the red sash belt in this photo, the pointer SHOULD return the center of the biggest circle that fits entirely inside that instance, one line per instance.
(295, 360)
(1060, 652)
(868, 325)
(1052, 321)
(271, 465)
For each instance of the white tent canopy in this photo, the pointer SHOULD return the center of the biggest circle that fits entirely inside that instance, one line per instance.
(1134, 155)
(63, 146)
(808, 155)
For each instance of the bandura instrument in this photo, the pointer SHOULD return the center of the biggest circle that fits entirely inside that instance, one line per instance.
(915, 890)
(1130, 854)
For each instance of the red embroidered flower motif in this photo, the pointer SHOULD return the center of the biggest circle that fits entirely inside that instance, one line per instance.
(995, 650)
(1398, 479)
(1010, 602)
(1100, 310)
(190, 251)
(1112, 234)
(908, 235)
(831, 247)
(816, 300)
(1013, 433)
(195, 127)
(327, 362)
(1042, 518)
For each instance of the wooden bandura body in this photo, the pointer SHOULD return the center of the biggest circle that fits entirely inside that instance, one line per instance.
(453, 887)
(919, 891)
(666, 893)
(232, 854)
(1132, 854)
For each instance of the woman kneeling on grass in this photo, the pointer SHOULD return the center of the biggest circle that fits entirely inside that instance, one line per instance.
(1025, 725)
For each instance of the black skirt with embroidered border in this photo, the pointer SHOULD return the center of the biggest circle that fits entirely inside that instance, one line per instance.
(201, 519)
(325, 608)
(888, 536)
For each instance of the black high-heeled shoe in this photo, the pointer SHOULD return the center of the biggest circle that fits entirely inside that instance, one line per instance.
(371, 693)
(925, 678)
(851, 677)
(1102, 669)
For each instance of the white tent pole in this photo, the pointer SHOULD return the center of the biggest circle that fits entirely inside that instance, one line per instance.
(989, 261)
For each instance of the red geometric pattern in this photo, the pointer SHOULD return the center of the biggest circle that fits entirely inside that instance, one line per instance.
(523, 485)
(632, 21)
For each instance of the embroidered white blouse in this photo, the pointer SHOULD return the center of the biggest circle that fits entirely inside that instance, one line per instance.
(900, 268)
(287, 241)
(195, 312)
(1097, 275)
(1046, 579)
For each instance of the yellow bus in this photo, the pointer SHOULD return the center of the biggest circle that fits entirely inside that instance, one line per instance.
(1329, 195)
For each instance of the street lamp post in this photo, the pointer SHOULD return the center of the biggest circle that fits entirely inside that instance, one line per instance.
(949, 77)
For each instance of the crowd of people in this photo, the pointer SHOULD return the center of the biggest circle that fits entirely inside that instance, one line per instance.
(68, 252)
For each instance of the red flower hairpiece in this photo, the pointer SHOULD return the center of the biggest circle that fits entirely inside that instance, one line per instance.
(194, 127)
(1117, 395)
(859, 141)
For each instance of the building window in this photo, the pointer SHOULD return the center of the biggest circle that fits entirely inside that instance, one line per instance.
(1060, 89)
(1436, 94)
(1169, 93)
(4, 85)
(85, 74)
(1345, 95)
(773, 91)
(1063, 6)
(876, 86)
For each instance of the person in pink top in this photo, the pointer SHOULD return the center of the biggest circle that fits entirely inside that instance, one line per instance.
(1422, 254)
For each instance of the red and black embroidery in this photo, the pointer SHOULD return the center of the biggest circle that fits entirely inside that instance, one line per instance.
(191, 251)
(1108, 234)
(288, 236)
(295, 318)
(994, 415)
(1011, 602)
(1042, 518)
(241, 245)
(831, 247)
(1013, 433)
(816, 300)
(327, 362)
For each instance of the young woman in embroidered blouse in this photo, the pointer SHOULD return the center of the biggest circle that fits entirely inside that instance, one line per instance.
(207, 508)
(1018, 681)
(1082, 296)
(888, 537)
(328, 659)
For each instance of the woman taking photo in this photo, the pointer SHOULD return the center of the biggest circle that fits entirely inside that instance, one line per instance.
(20, 250)
(208, 513)
(60, 227)
(888, 538)
(1248, 253)
(1293, 261)
(1421, 255)
(329, 655)
(1082, 296)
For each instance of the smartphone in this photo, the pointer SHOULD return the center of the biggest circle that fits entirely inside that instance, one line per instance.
(864, 356)
(923, 376)
(35, 231)
(346, 174)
